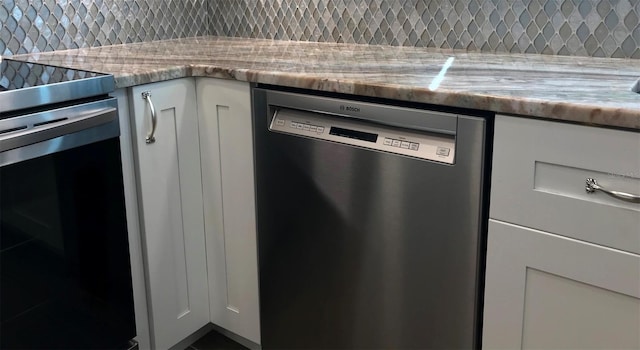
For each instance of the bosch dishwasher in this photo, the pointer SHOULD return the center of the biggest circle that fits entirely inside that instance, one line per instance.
(371, 222)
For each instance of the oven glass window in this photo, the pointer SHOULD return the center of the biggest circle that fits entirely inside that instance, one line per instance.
(64, 254)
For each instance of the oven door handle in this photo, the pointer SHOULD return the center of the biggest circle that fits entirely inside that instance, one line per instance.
(42, 132)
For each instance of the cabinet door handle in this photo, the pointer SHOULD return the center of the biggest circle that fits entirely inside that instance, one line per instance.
(592, 186)
(151, 138)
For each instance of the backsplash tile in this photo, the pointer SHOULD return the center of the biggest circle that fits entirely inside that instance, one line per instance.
(45, 25)
(603, 28)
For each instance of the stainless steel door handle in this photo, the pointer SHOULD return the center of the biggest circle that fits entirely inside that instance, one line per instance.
(58, 127)
(151, 138)
(592, 186)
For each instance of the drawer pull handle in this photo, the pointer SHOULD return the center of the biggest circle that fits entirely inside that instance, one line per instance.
(151, 138)
(592, 186)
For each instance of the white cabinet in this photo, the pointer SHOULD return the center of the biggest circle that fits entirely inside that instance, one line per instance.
(226, 144)
(563, 269)
(539, 173)
(545, 291)
(170, 200)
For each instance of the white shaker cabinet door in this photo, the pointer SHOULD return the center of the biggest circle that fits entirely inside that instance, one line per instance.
(170, 187)
(226, 143)
(545, 291)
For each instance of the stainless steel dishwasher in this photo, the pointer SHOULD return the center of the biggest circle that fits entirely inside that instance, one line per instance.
(370, 223)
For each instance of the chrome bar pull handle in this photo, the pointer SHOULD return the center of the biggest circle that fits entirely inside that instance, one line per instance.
(592, 186)
(151, 138)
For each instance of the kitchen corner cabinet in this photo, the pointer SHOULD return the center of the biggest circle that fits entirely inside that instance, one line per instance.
(563, 265)
(170, 206)
(226, 144)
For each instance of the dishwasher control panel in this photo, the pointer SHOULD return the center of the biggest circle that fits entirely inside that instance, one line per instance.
(424, 145)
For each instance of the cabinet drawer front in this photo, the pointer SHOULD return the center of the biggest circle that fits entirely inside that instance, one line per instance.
(539, 174)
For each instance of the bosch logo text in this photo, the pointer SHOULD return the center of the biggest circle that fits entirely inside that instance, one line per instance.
(349, 109)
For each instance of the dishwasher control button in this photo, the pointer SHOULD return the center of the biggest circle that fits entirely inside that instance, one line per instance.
(405, 144)
(320, 129)
(313, 128)
(395, 143)
(293, 125)
(279, 122)
(388, 141)
(414, 146)
(442, 151)
(300, 126)
(306, 127)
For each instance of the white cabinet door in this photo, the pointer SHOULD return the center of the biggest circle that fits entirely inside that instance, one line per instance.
(170, 188)
(226, 143)
(551, 292)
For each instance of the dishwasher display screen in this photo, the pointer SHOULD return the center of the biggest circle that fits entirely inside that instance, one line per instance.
(353, 134)
(439, 147)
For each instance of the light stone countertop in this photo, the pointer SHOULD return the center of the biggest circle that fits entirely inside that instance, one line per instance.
(587, 90)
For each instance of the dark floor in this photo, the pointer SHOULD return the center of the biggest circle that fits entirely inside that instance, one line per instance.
(215, 341)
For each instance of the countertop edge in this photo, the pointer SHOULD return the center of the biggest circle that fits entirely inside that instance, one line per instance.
(596, 115)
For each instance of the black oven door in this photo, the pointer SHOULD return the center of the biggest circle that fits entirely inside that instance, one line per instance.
(65, 277)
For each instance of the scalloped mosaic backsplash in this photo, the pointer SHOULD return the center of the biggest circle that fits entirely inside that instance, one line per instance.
(46, 25)
(604, 28)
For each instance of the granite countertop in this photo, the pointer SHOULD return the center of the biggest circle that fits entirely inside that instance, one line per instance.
(581, 89)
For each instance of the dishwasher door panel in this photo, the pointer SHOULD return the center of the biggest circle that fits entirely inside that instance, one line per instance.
(366, 249)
